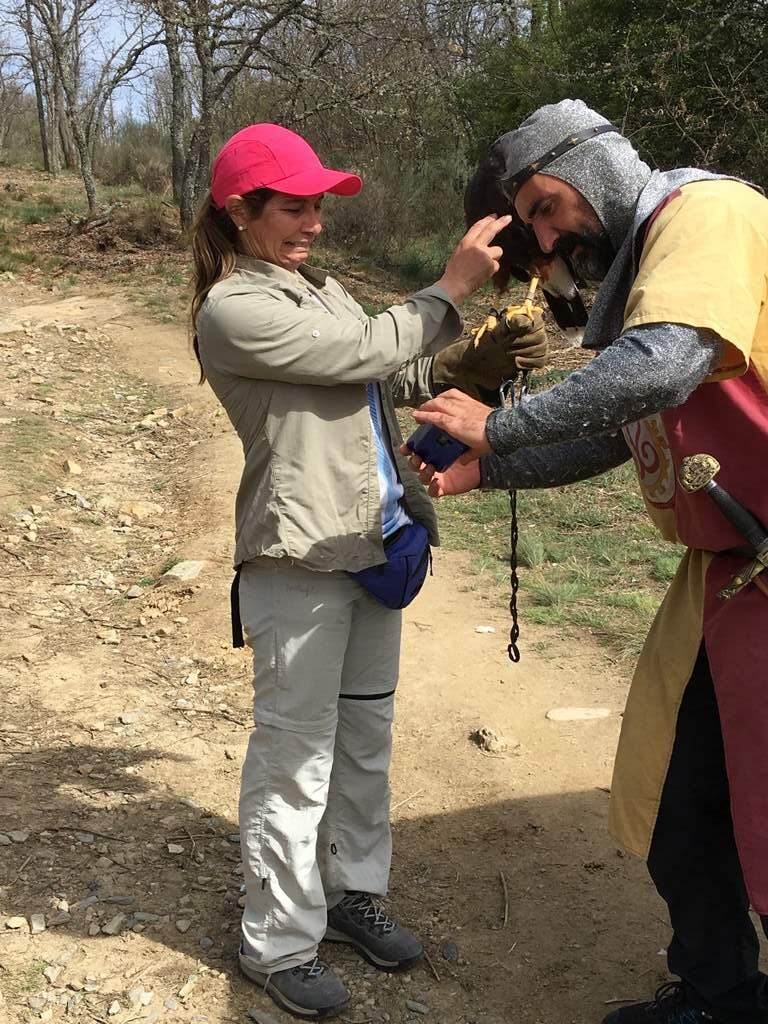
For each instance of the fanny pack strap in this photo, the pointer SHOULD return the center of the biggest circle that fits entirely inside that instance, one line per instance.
(234, 604)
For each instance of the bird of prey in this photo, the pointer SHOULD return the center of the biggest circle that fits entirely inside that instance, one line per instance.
(522, 257)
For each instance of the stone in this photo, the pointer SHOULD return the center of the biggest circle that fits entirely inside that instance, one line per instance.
(147, 918)
(133, 592)
(416, 1006)
(72, 468)
(187, 987)
(135, 996)
(206, 943)
(19, 837)
(109, 636)
(128, 717)
(183, 571)
(183, 925)
(488, 740)
(114, 1008)
(449, 951)
(485, 629)
(17, 923)
(37, 1002)
(175, 848)
(171, 1004)
(577, 714)
(94, 929)
(261, 1017)
(37, 923)
(5, 840)
(114, 926)
(52, 973)
(141, 509)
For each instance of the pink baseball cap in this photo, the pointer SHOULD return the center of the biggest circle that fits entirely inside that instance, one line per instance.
(270, 156)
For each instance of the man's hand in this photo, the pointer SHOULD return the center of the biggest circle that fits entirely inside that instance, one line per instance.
(461, 417)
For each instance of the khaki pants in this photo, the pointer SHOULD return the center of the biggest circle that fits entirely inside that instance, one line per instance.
(314, 801)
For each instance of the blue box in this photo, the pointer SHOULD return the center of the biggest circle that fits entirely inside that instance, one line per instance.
(434, 446)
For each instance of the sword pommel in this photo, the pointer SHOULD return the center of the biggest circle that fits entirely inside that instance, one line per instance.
(696, 471)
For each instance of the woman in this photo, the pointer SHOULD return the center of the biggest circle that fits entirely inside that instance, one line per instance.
(296, 363)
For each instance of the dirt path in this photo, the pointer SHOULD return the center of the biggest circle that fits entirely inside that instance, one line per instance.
(125, 720)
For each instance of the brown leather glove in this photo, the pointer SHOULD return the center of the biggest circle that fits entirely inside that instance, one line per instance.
(505, 344)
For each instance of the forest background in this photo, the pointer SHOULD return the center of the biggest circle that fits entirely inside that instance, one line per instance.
(409, 93)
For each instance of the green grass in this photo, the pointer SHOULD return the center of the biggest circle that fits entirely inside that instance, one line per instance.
(590, 559)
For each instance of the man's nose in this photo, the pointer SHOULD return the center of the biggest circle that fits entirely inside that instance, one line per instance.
(546, 236)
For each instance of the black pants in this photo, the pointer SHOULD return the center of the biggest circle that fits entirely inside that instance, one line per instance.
(695, 866)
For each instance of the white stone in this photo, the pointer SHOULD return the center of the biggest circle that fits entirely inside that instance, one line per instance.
(175, 848)
(577, 714)
(16, 923)
(184, 571)
(37, 923)
(187, 987)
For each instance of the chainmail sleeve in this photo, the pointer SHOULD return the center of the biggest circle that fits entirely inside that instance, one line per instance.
(647, 369)
(553, 465)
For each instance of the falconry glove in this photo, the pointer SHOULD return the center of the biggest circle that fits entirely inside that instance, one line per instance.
(508, 342)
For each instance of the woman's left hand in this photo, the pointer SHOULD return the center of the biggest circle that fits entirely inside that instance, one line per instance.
(460, 416)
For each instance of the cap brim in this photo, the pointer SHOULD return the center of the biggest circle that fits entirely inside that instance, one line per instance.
(322, 179)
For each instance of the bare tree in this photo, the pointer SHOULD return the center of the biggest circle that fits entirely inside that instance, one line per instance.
(73, 28)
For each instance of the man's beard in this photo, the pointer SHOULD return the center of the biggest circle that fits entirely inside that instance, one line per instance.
(590, 254)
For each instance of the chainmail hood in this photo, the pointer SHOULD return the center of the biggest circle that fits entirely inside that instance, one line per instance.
(606, 169)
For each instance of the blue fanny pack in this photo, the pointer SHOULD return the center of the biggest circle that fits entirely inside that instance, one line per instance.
(397, 581)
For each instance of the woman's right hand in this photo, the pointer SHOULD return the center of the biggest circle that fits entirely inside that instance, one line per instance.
(457, 479)
(475, 259)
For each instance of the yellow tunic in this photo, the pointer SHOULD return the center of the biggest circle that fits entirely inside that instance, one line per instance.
(704, 264)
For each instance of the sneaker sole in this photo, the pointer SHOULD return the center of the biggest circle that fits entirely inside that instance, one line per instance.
(277, 997)
(332, 935)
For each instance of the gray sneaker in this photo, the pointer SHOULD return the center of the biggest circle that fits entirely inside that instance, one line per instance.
(359, 921)
(311, 991)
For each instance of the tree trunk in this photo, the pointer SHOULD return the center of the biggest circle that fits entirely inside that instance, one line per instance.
(34, 61)
(68, 148)
(189, 186)
(178, 95)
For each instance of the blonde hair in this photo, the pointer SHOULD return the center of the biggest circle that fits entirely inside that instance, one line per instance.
(214, 250)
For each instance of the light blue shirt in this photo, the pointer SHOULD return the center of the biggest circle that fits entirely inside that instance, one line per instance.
(393, 515)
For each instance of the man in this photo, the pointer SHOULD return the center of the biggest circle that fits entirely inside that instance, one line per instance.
(681, 325)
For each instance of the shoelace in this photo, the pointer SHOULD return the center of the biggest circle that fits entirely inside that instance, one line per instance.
(312, 969)
(364, 905)
(669, 1006)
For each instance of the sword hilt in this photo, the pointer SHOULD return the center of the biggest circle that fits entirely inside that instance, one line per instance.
(697, 473)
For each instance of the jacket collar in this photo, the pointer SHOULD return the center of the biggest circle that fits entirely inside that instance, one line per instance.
(251, 265)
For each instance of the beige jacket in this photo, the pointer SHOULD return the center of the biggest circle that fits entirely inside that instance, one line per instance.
(288, 356)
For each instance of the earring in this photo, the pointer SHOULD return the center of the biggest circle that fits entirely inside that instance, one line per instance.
(241, 227)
